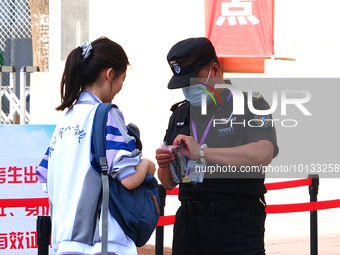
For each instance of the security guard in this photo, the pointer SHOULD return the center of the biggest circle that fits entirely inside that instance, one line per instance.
(222, 209)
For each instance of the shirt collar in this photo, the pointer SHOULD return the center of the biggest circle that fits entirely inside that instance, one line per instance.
(88, 96)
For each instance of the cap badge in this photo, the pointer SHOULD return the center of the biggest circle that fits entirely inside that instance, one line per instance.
(176, 68)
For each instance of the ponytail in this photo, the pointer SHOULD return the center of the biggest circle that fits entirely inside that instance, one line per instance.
(71, 82)
(84, 68)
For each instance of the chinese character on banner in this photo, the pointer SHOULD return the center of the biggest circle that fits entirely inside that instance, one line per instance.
(242, 11)
(31, 240)
(18, 240)
(3, 241)
(14, 174)
(30, 176)
(2, 175)
(242, 28)
(13, 239)
(37, 210)
(2, 212)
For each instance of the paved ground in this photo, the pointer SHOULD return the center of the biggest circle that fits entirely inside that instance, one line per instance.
(328, 245)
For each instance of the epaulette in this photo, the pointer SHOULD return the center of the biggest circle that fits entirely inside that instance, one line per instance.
(256, 96)
(228, 82)
(175, 106)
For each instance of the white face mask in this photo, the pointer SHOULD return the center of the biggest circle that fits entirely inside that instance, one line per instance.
(193, 93)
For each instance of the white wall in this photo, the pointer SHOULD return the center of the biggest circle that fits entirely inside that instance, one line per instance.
(307, 31)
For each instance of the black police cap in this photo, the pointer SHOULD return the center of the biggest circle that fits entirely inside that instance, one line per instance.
(186, 59)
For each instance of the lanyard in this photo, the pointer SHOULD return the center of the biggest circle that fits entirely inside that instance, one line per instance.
(206, 131)
(205, 134)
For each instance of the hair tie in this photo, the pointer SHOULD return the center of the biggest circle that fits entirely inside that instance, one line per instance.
(86, 47)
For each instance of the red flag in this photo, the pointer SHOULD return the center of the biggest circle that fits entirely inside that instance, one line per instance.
(241, 28)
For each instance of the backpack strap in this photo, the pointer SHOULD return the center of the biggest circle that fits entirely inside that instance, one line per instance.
(99, 144)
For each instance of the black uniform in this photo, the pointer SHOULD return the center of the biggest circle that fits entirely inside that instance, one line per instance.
(222, 215)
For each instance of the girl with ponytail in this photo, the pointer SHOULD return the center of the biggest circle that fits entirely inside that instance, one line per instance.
(94, 73)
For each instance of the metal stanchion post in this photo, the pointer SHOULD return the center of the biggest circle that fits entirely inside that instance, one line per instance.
(43, 234)
(23, 87)
(159, 246)
(313, 193)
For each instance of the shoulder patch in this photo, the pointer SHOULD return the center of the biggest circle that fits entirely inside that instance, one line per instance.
(180, 123)
(263, 120)
(175, 106)
(256, 95)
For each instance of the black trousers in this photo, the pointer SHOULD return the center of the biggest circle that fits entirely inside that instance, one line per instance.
(229, 232)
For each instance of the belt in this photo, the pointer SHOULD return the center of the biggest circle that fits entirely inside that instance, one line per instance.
(211, 208)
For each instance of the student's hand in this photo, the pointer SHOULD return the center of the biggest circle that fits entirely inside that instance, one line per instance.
(144, 167)
(164, 156)
(192, 148)
(152, 168)
(149, 165)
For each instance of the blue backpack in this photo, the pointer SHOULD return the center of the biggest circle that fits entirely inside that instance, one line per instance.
(137, 211)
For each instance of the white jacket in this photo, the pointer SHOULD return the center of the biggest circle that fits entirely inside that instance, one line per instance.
(74, 186)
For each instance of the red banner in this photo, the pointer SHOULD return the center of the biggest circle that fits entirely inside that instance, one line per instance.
(241, 28)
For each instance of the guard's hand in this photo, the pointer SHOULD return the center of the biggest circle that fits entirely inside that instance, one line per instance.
(164, 156)
(192, 148)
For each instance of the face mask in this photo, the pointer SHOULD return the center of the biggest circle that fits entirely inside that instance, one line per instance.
(193, 93)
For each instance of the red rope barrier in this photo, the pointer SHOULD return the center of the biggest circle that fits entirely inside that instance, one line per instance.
(286, 208)
(303, 207)
(166, 220)
(169, 220)
(174, 191)
(269, 186)
(289, 184)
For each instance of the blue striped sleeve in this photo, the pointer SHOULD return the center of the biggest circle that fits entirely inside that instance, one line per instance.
(121, 156)
(42, 169)
(44, 163)
(113, 131)
(113, 145)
